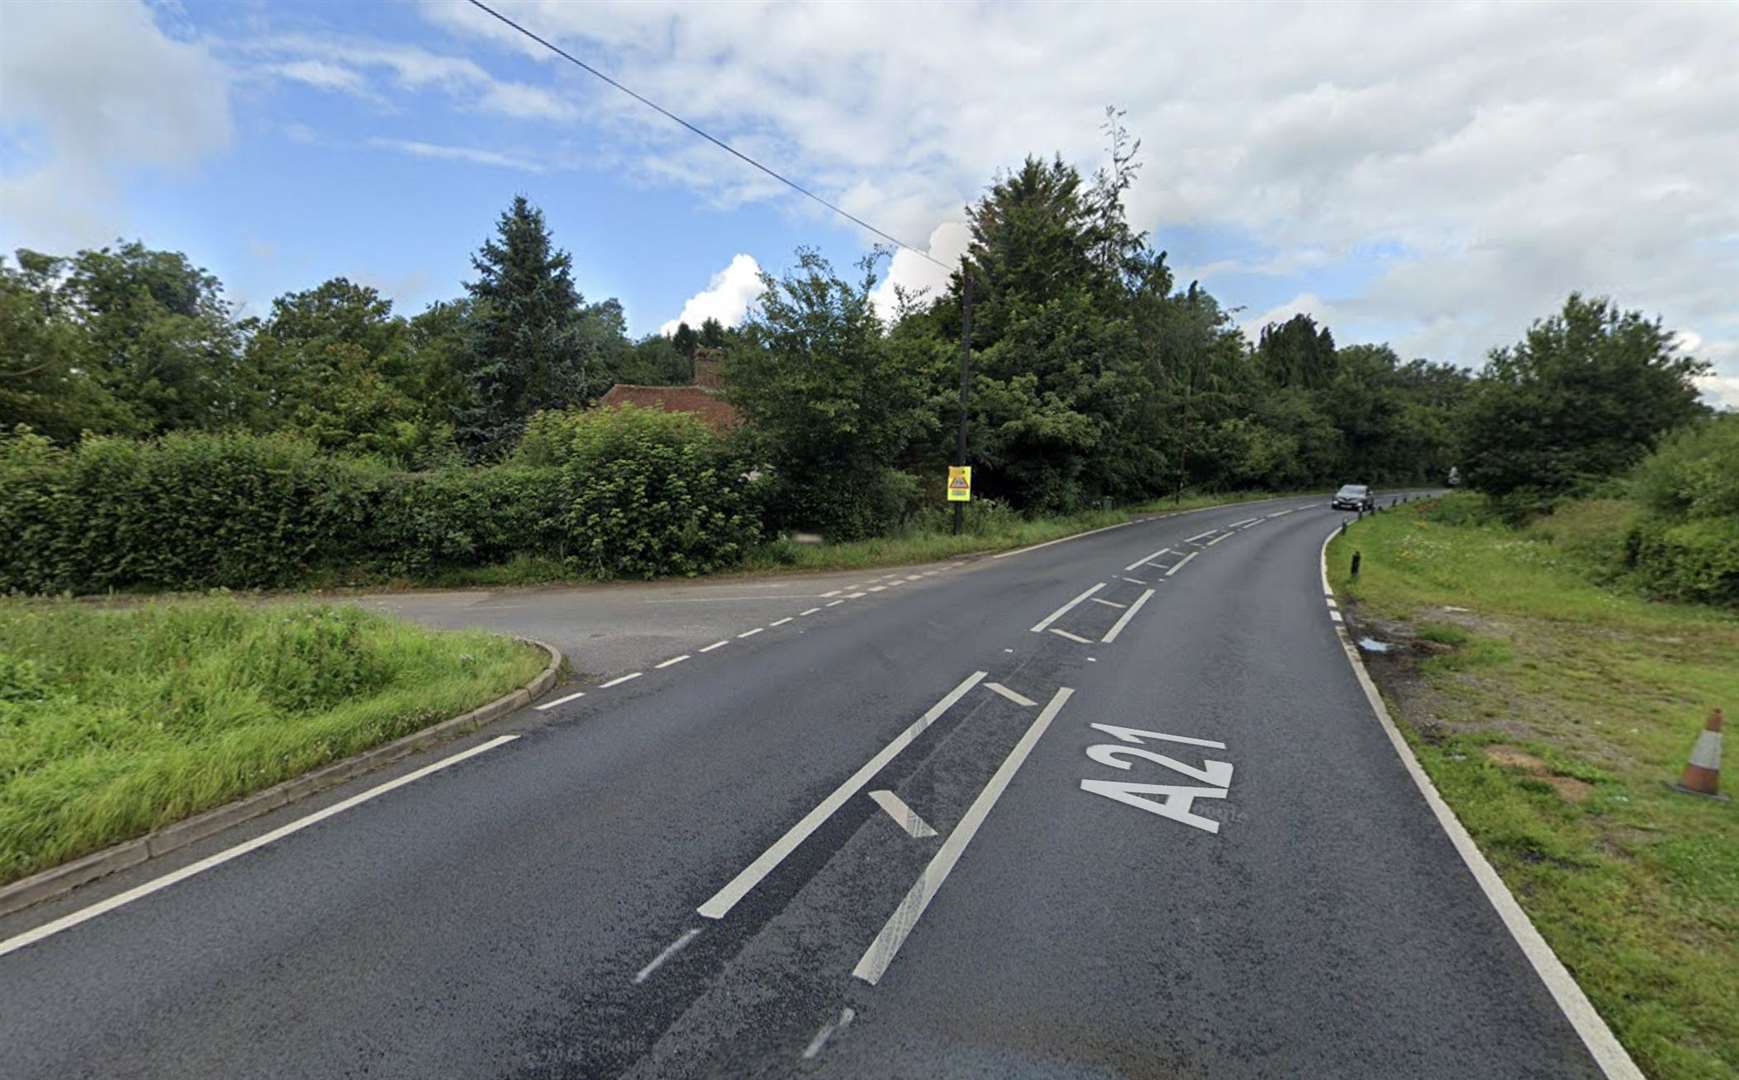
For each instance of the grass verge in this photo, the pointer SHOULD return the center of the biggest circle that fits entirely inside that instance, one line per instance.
(1554, 714)
(117, 722)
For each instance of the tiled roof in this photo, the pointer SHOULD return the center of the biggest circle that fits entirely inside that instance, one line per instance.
(713, 410)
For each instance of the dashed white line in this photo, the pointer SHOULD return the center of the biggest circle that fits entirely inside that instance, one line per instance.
(1145, 559)
(1217, 539)
(828, 1030)
(875, 588)
(1014, 696)
(1241, 524)
(854, 596)
(720, 904)
(1108, 603)
(1182, 563)
(561, 701)
(672, 661)
(1117, 627)
(619, 680)
(895, 584)
(68, 921)
(1198, 536)
(1335, 615)
(907, 818)
(833, 603)
(751, 633)
(1135, 580)
(881, 952)
(1330, 601)
(670, 950)
(1279, 513)
(781, 622)
(1064, 610)
(915, 577)
(1071, 637)
(1061, 540)
(811, 611)
(835, 592)
(715, 645)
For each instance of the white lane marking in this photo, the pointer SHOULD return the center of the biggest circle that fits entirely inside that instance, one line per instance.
(1183, 562)
(833, 603)
(811, 611)
(1123, 620)
(1335, 615)
(880, 954)
(619, 680)
(875, 588)
(671, 661)
(1071, 637)
(1017, 698)
(1109, 603)
(1217, 539)
(67, 922)
(561, 701)
(1258, 521)
(1145, 559)
(738, 887)
(915, 577)
(933, 573)
(780, 622)
(1064, 610)
(670, 950)
(1602, 1045)
(1241, 524)
(1279, 513)
(1061, 540)
(835, 592)
(895, 584)
(907, 818)
(1136, 735)
(715, 645)
(828, 1030)
(853, 596)
(751, 633)
(1198, 536)
(1135, 580)
(1329, 600)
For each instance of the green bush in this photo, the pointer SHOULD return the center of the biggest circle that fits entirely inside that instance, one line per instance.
(1695, 560)
(588, 437)
(426, 523)
(1695, 473)
(846, 506)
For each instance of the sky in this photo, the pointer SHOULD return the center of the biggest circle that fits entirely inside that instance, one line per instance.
(1435, 177)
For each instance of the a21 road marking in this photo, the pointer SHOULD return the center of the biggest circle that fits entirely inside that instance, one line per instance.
(1172, 801)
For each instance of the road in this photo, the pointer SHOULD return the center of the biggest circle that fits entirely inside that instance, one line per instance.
(1112, 807)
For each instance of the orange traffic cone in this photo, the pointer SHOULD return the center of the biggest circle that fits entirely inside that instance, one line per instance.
(1703, 773)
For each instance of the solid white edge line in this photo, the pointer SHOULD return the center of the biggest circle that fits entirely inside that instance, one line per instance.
(751, 633)
(1064, 610)
(904, 816)
(559, 701)
(1602, 1044)
(1145, 559)
(882, 950)
(1061, 539)
(1183, 562)
(721, 902)
(619, 680)
(672, 660)
(67, 922)
(670, 950)
(714, 645)
(1012, 695)
(1123, 620)
(780, 622)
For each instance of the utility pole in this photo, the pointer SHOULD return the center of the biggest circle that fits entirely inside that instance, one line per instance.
(965, 369)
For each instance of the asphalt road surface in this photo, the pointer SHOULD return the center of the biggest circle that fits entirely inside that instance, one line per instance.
(1112, 807)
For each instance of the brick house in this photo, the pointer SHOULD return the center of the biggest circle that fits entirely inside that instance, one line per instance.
(704, 397)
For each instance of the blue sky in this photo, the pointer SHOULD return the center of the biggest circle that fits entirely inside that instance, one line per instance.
(1437, 186)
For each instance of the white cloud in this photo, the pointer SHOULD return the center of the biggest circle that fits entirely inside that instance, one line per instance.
(355, 67)
(1497, 155)
(1721, 391)
(457, 153)
(918, 275)
(726, 297)
(322, 75)
(94, 91)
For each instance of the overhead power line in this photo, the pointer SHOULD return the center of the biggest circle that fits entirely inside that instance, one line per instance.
(720, 143)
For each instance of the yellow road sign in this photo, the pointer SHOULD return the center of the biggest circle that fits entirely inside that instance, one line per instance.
(959, 483)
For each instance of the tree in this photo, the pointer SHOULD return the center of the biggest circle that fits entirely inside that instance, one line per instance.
(685, 340)
(832, 403)
(528, 350)
(713, 334)
(45, 366)
(1585, 394)
(1296, 353)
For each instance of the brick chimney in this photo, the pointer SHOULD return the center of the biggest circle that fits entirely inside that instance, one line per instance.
(706, 369)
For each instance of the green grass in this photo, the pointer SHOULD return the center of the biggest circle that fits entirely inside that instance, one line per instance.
(117, 722)
(1635, 886)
